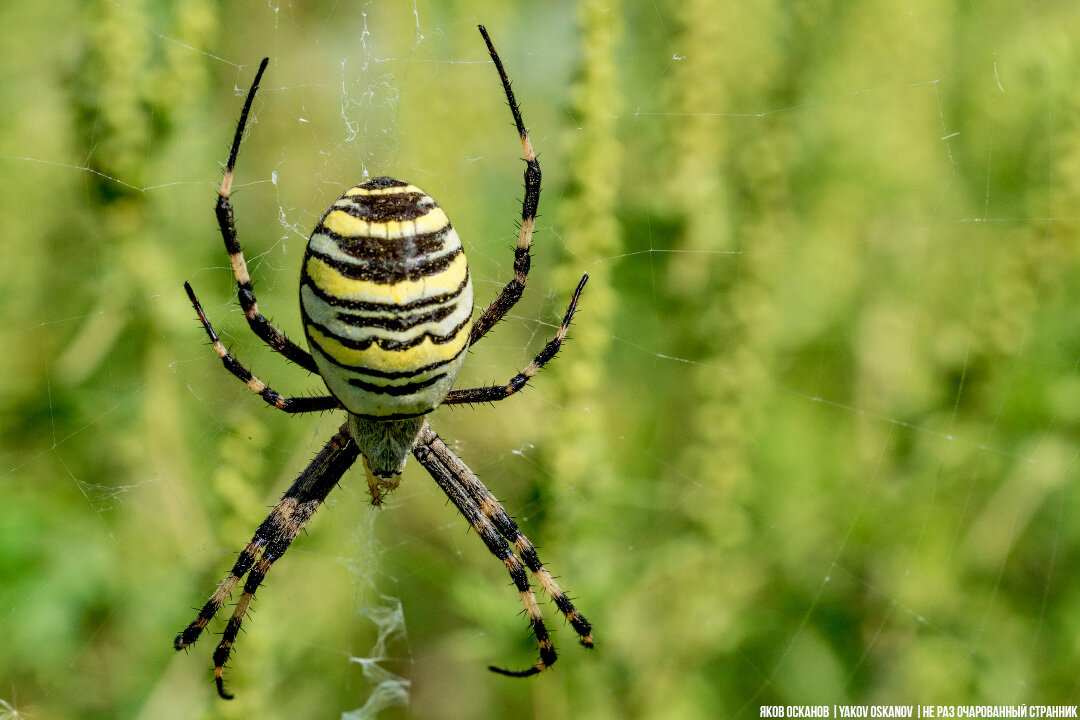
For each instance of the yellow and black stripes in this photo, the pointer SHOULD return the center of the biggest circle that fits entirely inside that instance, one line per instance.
(493, 393)
(386, 300)
(272, 539)
(272, 397)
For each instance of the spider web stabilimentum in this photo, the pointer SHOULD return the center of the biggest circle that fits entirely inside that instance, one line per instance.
(810, 441)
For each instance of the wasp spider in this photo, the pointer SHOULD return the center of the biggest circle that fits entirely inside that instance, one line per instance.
(387, 302)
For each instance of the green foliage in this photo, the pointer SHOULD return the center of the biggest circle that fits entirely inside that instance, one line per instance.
(813, 438)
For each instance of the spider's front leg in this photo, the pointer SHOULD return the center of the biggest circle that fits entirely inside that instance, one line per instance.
(455, 491)
(272, 539)
(508, 528)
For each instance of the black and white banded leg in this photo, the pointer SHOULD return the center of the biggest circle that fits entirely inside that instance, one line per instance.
(244, 292)
(495, 544)
(508, 528)
(499, 392)
(289, 405)
(272, 539)
(529, 204)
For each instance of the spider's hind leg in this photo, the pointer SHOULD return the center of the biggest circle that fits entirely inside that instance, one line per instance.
(289, 405)
(512, 291)
(494, 393)
(223, 209)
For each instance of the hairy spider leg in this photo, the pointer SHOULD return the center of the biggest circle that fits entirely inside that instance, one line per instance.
(494, 512)
(257, 386)
(511, 293)
(498, 547)
(273, 538)
(227, 223)
(494, 393)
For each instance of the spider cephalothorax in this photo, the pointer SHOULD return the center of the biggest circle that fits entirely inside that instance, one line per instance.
(387, 307)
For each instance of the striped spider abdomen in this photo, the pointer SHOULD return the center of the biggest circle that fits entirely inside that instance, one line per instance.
(386, 300)
(387, 304)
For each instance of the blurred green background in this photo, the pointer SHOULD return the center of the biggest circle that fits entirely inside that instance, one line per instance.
(814, 438)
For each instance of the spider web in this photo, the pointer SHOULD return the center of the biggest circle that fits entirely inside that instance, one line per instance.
(812, 440)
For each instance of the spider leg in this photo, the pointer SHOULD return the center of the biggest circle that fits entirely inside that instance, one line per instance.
(244, 292)
(529, 204)
(494, 512)
(499, 392)
(272, 539)
(451, 485)
(289, 405)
